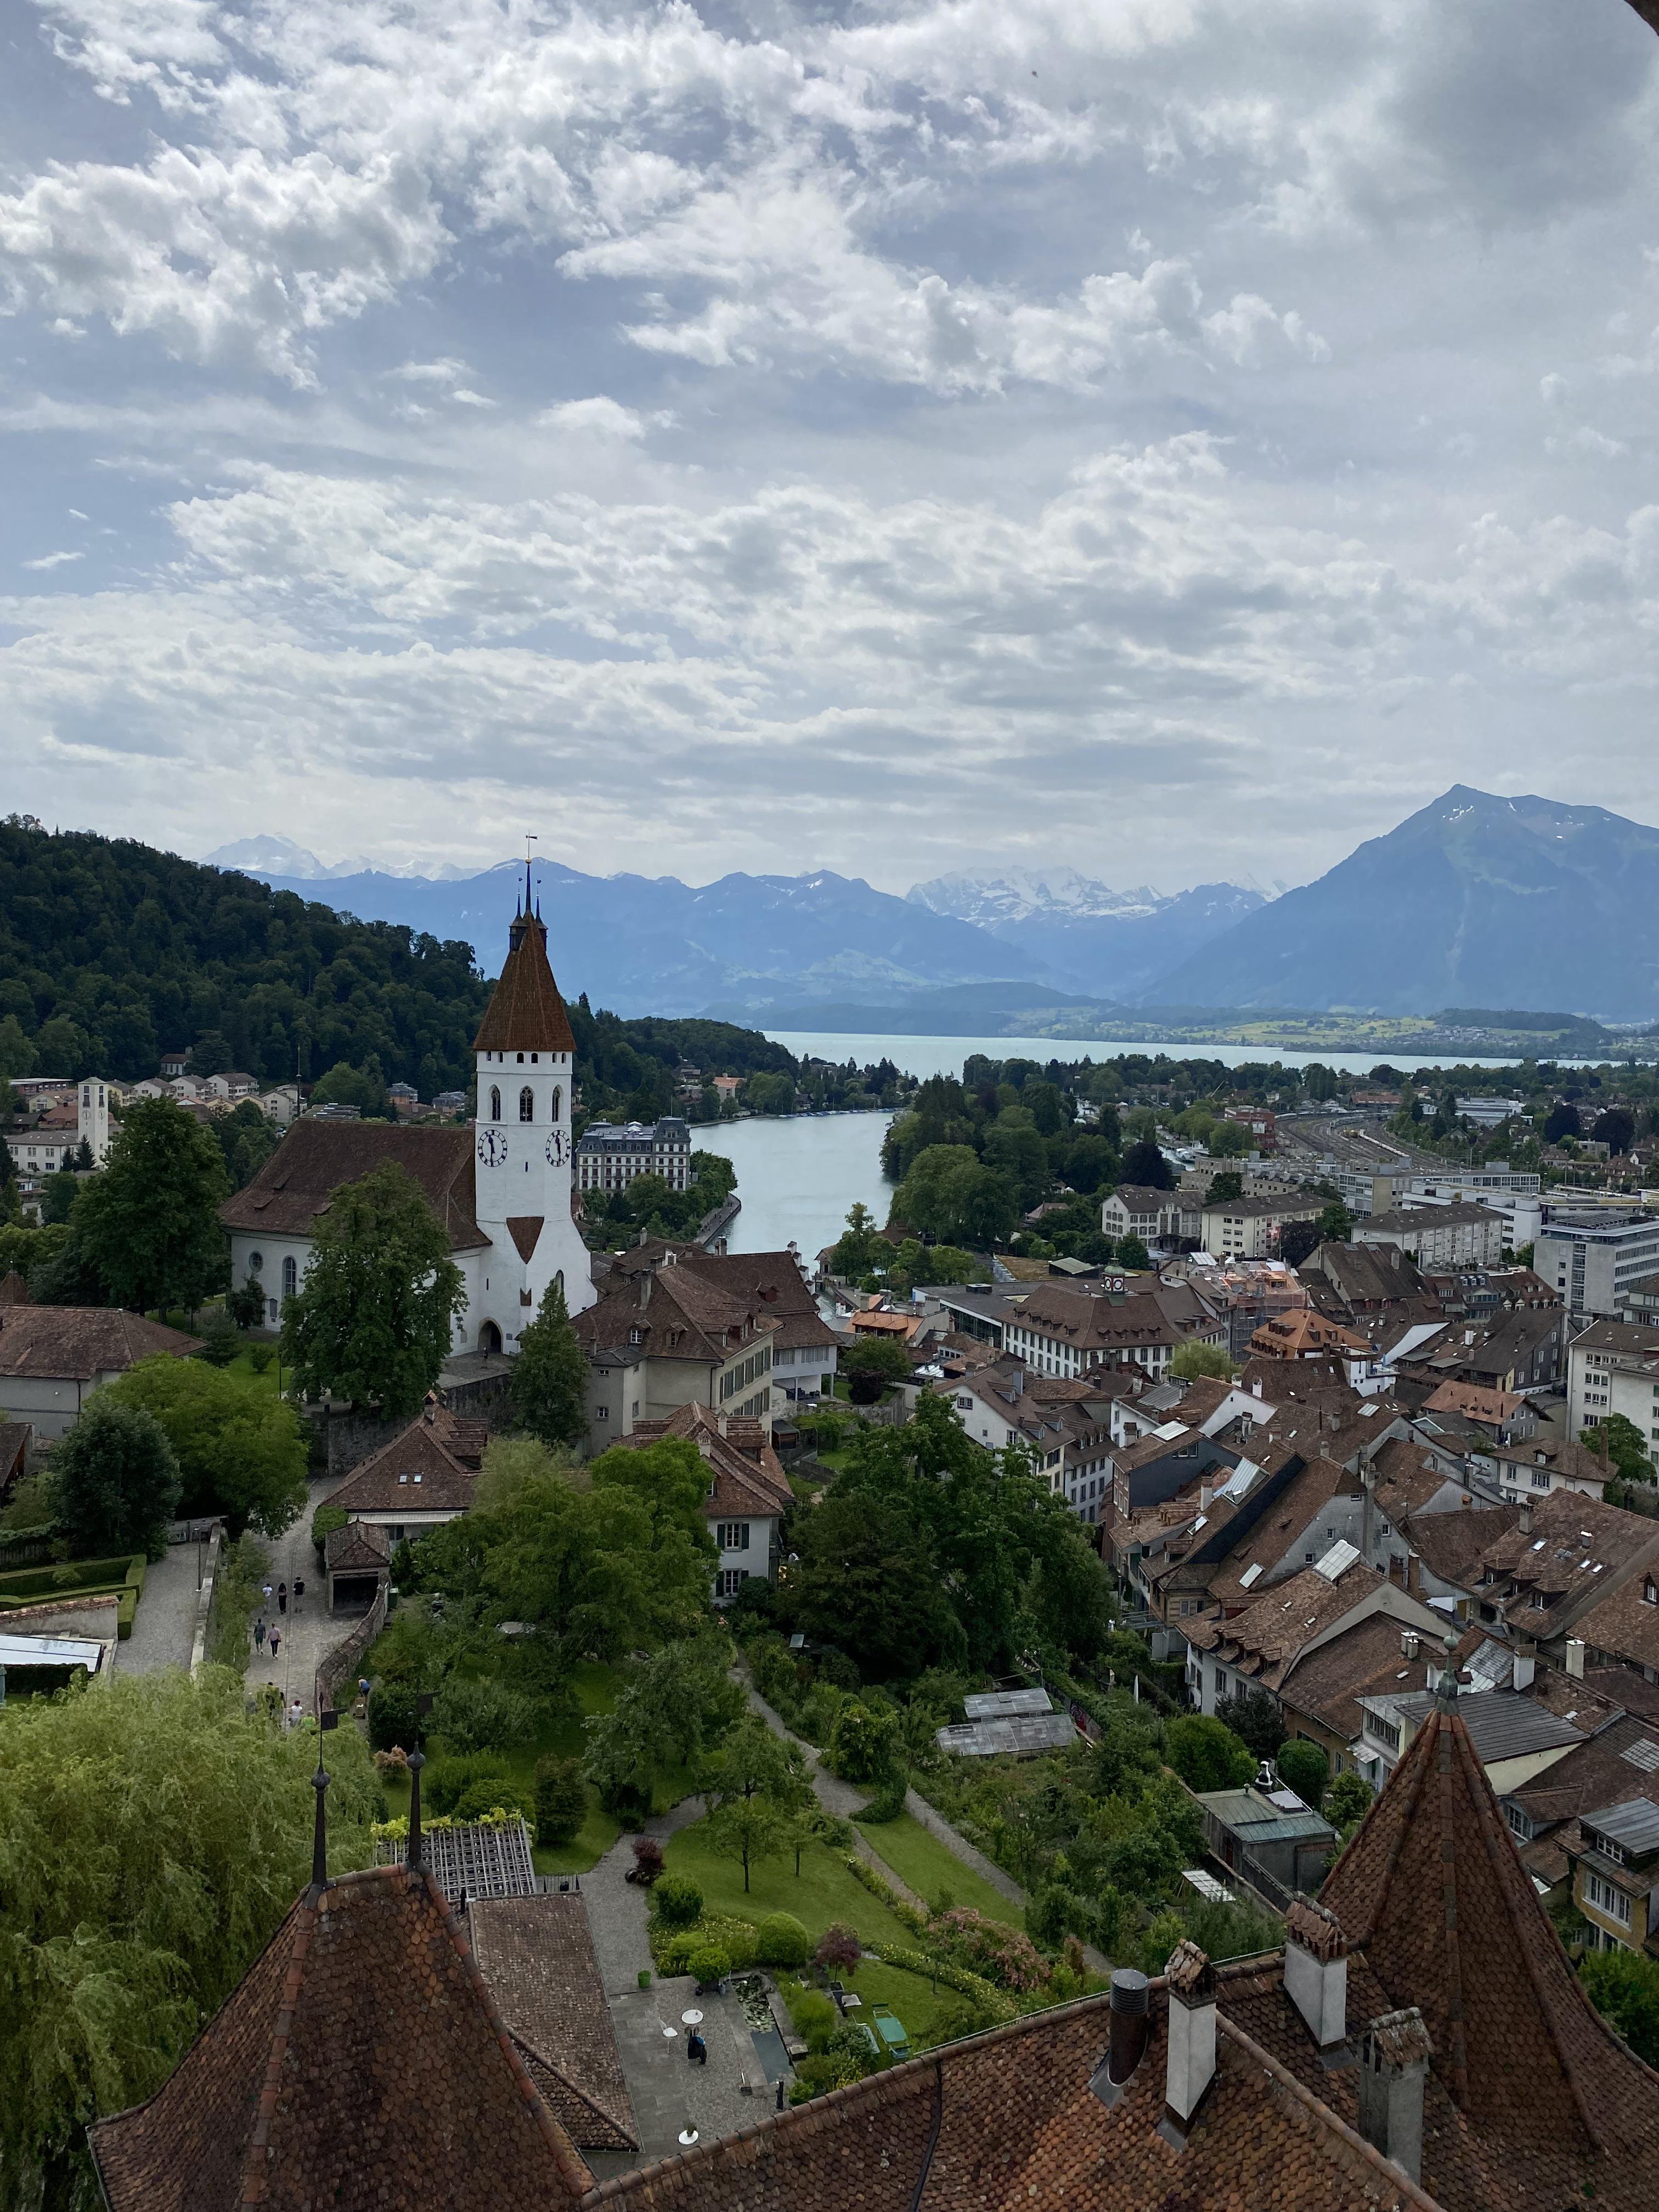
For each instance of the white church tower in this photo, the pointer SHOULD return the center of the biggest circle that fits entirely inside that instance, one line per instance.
(523, 1167)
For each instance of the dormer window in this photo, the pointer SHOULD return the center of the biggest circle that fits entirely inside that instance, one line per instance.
(1650, 1592)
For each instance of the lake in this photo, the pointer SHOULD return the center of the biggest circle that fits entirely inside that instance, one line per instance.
(944, 1055)
(799, 1177)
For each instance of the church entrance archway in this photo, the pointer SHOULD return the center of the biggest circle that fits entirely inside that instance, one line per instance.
(490, 1337)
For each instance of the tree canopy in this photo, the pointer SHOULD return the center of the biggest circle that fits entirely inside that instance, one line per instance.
(372, 1319)
(238, 1454)
(154, 1834)
(150, 1222)
(114, 1481)
(548, 1381)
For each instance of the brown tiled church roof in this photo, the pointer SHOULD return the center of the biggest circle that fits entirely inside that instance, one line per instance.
(314, 1158)
(361, 2063)
(525, 1013)
(538, 1959)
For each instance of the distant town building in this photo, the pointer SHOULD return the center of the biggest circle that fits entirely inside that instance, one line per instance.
(1594, 1260)
(53, 1358)
(1612, 1367)
(45, 1147)
(176, 1062)
(609, 1156)
(1248, 1228)
(1439, 1236)
(450, 1102)
(1487, 1112)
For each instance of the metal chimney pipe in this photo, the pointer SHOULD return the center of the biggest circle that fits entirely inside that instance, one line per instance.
(1131, 2023)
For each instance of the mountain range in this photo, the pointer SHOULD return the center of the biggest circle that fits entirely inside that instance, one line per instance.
(1474, 900)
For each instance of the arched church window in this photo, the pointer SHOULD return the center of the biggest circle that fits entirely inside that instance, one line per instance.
(558, 1101)
(526, 1104)
(494, 1103)
(290, 1276)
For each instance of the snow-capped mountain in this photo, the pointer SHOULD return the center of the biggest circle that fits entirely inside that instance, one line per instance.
(989, 895)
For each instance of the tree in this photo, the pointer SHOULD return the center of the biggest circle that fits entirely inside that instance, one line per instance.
(1229, 1184)
(238, 1455)
(149, 1222)
(1298, 1240)
(1133, 1255)
(59, 1195)
(1207, 1755)
(1191, 1360)
(1624, 1987)
(770, 1093)
(1304, 1767)
(1144, 1167)
(949, 1194)
(1615, 1128)
(372, 1319)
(1090, 1160)
(626, 1749)
(860, 1248)
(1347, 1803)
(1319, 1081)
(154, 1835)
(862, 1741)
(115, 1481)
(361, 1087)
(1254, 1717)
(1562, 1120)
(1335, 1224)
(1617, 1442)
(549, 1378)
(754, 1762)
(747, 1829)
(871, 1364)
(689, 1678)
(865, 1580)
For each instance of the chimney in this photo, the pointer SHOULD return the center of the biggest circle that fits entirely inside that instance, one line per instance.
(1368, 1513)
(1575, 1657)
(1204, 1493)
(1316, 1971)
(646, 1279)
(1409, 1641)
(1526, 1516)
(1131, 2022)
(429, 1409)
(1525, 1664)
(1394, 2063)
(1192, 2038)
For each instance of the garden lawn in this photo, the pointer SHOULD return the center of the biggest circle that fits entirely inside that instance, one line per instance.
(824, 1892)
(929, 1867)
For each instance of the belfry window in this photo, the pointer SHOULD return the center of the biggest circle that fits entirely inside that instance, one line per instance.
(494, 1103)
(526, 1104)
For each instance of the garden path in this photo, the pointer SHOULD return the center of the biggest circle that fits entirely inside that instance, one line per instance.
(841, 1798)
(667, 2092)
(311, 1632)
(164, 1626)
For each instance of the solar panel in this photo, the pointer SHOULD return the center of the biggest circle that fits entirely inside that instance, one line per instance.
(1644, 1753)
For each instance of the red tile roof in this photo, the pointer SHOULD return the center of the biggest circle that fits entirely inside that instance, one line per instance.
(314, 1158)
(537, 1960)
(525, 1013)
(361, 2063)
(75, 1343)
(421, 1470)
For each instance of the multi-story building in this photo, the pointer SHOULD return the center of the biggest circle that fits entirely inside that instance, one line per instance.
(1612, 1367)
(42, 1148)
(610, 1156)
(1439, 1236)
(1248, 1228)
(1137, 1210)
(1595, 1260)
(1065, 1330)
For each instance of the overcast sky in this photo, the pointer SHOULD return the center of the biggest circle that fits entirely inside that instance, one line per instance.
(1172, 437)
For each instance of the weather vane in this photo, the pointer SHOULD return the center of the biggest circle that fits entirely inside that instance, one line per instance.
(530, 839)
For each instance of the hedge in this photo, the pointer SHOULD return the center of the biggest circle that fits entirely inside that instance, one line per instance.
(987, 1995)
(898, 1906)
(26, 1585)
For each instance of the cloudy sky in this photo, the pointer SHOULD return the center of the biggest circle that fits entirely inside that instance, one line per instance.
(1172, 437)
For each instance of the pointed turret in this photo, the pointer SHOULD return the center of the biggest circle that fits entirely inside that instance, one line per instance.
(525, 1013)
(1432, 1891)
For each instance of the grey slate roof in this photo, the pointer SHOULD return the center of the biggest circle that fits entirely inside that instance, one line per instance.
(1502, 1724)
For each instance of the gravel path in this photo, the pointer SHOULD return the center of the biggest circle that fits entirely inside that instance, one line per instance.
(165, 1623)
(310, 1632)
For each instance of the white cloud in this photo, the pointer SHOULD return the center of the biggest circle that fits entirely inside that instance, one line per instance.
(53, 560)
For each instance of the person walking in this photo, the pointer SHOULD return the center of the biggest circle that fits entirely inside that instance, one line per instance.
(281, 1598)
(299, 1592)
(296, 1713)
(266, 1592)
(276, 1639)
(259, 1635)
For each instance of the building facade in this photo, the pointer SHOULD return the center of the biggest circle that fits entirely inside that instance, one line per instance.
(1439, 1237)
(1593, 1260)
(1612, 1367)
(609, 1156)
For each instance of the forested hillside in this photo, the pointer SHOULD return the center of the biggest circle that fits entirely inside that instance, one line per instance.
(111, 952)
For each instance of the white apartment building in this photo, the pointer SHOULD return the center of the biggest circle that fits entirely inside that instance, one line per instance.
(1439, 1238)
(610, 1155)
(1612, 1367)
(1248, 1228)
(1593, 1260)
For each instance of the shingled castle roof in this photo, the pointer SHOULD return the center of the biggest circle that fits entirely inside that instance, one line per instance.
(525, 1012)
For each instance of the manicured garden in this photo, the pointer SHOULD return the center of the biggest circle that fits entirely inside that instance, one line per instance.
(933, 1870)
(825, 1892)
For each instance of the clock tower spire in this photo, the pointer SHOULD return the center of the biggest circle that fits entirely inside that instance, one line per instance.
(526, 1054)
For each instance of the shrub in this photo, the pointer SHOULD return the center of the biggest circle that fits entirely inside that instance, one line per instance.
(1624, 1987)
(861, 1742)
(259, 1357)
(838, 1948)
(220, 1340)
(709, 1964)
(1051, 1913)
(783, 1940)
(737, 1938)
(1143, 1863)
(501, 1795)
(888, 1802)
(1304, 1767)
(677, 1902)
(1347, 1803)
(388, 1763)
(1255, 1718)
(392, 1717)
(993, 2003)
(561, 1800)
(997, 1953)
(673, 1953)
(474, 1713)
(1206, 1754)
(813, 2013)
(446, 1781)
(648, 1859)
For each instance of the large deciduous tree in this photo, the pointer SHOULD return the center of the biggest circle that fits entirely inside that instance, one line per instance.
(548, 1380)
(372, 1321)
(154, 1834)
(240, 1455)
(149, 1222)
(114, 1481)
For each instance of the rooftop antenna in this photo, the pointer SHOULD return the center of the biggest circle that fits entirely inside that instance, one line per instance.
(328, 1718)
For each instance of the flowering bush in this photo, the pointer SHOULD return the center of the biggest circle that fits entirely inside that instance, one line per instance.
(838, 1948)
(985, 1947)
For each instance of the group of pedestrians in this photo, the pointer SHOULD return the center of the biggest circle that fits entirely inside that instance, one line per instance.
(265, 1628)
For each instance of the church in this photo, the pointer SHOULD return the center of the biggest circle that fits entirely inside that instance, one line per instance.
(501, 1187)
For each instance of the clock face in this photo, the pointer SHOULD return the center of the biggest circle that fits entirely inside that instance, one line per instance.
(555, 1149)
(492, 1148)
